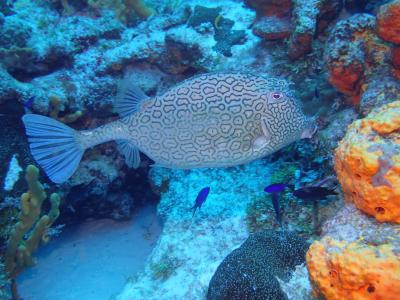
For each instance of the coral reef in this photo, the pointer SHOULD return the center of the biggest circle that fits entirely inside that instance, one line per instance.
(20, 248)
(345, 61)
(329, 137)
(80, 59)
(125, 10)
(309, 20)
(140, 8)
(358, 258)
(10, 88)
(367, 65)
(369, 6)
(224, 36)
(353, 270)
(367, 163)
(64, 58)
(103, 187)
(271, 7)
(5, 293)
(298, 287)
(396, 61)
(56, 104)
(388, 22)
(299, 19)
(380, 89)
(272, 28)
(244, 274)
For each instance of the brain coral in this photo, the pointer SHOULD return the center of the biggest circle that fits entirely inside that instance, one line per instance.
(367, 163)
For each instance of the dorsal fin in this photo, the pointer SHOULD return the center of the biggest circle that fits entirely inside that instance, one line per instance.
(130, 152)
(129, 98)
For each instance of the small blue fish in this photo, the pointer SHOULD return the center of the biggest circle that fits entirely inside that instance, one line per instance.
(274, 190)
(200, 199)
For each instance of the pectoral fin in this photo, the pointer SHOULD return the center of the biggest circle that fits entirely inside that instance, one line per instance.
(260, 142)
(131, 153)
(265, 129)
(264, 139)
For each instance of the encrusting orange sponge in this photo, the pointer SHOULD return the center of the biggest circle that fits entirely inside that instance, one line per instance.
(367, 163)
(354, 271)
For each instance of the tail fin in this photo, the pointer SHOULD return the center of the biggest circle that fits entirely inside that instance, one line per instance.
(53, 146)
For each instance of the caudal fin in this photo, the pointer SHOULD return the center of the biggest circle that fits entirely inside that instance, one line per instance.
(53, 146)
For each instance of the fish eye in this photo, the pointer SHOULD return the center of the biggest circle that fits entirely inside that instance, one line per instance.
(277, 95)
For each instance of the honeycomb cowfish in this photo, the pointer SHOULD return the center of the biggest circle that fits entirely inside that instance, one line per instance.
(210, 120)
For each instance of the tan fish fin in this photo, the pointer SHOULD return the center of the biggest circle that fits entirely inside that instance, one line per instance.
(264, 139)
(260, 142)
(130, 152)
(129, 98)
(265, 129)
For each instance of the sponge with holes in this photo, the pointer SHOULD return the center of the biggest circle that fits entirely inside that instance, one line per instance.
(341, 270)
(367, 163)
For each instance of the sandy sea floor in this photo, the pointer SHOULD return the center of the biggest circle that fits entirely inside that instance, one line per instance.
(93, 260)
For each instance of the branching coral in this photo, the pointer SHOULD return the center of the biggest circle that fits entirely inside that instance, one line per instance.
(20, 248)
(55, 104)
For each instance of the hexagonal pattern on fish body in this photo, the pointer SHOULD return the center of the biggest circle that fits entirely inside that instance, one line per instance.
(215, 120)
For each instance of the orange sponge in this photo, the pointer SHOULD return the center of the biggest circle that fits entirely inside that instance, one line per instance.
(389, 22)
(341, 270)
(367, 163)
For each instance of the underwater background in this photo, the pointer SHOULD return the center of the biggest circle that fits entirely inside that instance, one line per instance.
(318, 218)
